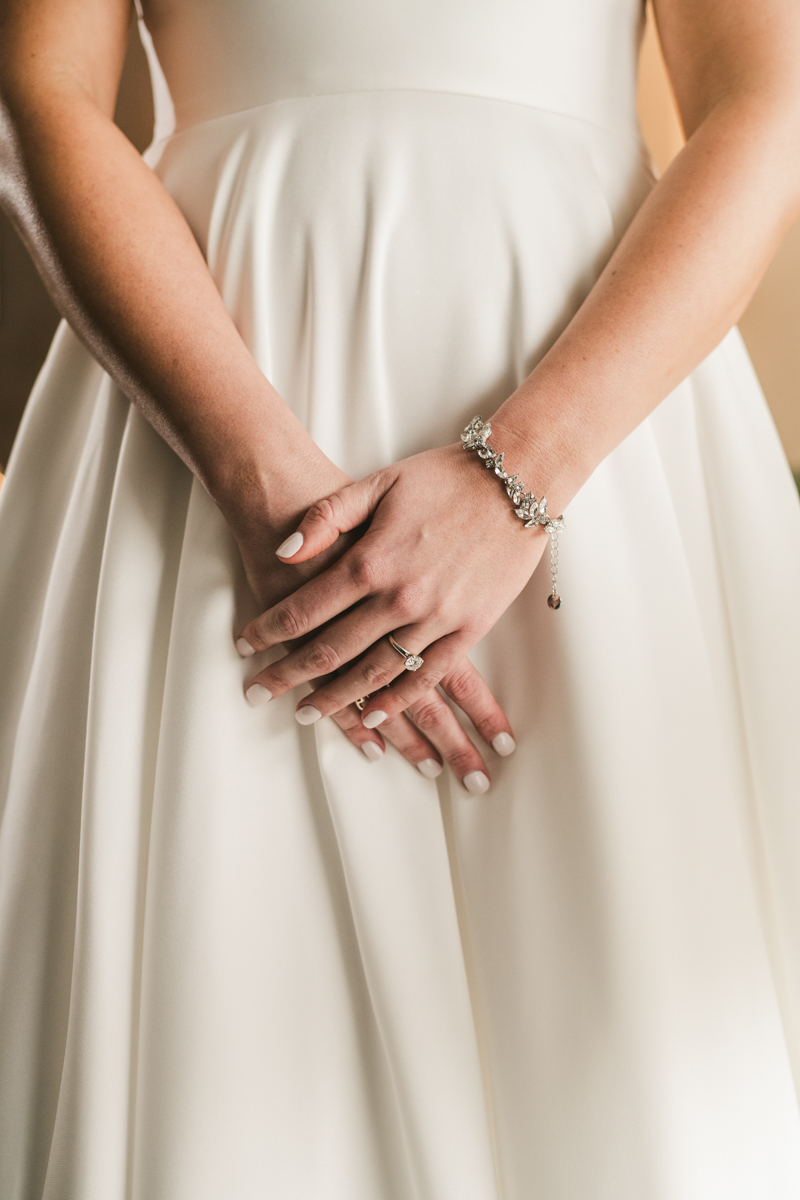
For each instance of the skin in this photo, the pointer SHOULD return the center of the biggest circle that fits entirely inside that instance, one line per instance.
(147, 307)
(122, 265)
(679, 279)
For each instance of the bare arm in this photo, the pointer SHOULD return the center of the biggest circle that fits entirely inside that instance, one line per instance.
(680, 277)
(686, 268)
(122, 265)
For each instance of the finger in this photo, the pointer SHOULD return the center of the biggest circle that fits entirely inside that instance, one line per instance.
(412, 745)
(334, 648)
(315, 603)
(343, 510)
(402, 735)
(467, 687)
(374, 671)
(439, 659)
(369, 742)
(434, 717)
(461, 755)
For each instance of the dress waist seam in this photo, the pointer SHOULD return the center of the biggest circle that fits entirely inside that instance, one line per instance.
(632, 134)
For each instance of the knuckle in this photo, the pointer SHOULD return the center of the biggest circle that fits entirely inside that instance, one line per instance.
(363, 571)
(463, 761)
(464, 686)
(438, 612)
(429, 715)
(377, 676)
(321, 658)
(254, 634)
(427, 680)
(276, 681)
(398, 730)
(405, 601)
(287, 622)
(323, 510)
(473, 628)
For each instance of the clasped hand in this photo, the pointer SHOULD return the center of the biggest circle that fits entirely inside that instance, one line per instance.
(442, 557)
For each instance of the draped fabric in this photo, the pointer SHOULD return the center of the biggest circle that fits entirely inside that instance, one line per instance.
(238, 959)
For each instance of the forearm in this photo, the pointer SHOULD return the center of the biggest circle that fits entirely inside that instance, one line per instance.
(679, 279)
(124, 268)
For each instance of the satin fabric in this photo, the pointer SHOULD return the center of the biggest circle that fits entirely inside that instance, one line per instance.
(238, 959)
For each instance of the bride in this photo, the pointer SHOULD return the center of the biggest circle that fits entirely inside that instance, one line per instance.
(242, 954)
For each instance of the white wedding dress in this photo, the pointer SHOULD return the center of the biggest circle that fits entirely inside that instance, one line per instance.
(239, 962)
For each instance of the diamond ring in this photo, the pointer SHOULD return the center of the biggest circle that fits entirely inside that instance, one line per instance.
(413, 661)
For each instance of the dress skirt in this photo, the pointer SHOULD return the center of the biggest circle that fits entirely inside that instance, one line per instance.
(240, 961)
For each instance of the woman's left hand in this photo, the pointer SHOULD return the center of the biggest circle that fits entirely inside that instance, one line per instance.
(443, 557)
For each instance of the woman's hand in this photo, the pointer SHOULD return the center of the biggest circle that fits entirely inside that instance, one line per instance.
(430, 731)
(442, 559)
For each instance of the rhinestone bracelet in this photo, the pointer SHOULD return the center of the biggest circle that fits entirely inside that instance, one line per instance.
(526, 506)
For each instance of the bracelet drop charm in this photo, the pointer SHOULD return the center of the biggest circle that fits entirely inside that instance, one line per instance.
(531, 509)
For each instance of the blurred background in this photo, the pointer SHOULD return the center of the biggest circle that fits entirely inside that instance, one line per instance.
(771, 325)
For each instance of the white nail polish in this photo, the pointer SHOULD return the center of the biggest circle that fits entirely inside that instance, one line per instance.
(290, 546)
(257, 694)
(307, 715)
(430, 768)
(476, 782)
(372, 751)
(372, 719)
(504, 744)
(244, 648)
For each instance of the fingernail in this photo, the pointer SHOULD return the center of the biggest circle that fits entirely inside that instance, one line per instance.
(504, 744)
(476, 782)
(244, 648)
(290, 546)
(371, 719)
(430, 768)
(372, 751)
(307, 715)
(257, 694)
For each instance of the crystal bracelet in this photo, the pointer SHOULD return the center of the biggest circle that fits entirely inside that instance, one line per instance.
(527, 507)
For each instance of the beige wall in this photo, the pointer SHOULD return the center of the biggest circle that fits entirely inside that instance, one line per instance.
(770, 326)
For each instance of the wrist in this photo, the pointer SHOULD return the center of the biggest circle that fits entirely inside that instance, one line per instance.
(276, 496)
(541, 445)
(534, 511)
(271, 481)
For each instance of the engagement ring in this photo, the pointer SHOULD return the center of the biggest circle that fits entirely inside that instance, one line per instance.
(413, 661)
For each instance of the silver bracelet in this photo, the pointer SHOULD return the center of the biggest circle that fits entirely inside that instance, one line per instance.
(527, 507)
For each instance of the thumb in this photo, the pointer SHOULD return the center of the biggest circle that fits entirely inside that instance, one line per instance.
(338, 513)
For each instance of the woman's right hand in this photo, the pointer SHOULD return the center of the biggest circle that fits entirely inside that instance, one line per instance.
(428, 733)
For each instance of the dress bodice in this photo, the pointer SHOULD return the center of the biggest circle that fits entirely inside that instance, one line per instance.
(576, 57)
